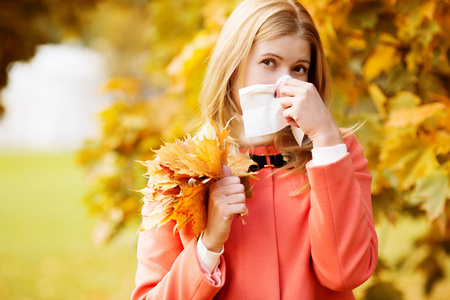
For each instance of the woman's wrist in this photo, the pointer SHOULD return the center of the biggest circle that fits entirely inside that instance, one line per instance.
(328, 138)
(210, 245)
(327, 142)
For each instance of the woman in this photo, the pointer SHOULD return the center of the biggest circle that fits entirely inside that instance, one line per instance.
(309, 232)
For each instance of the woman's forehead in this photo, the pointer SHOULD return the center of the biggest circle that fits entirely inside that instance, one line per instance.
(283, 46)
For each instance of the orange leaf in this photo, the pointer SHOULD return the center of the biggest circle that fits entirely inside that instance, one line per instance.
(192, 206)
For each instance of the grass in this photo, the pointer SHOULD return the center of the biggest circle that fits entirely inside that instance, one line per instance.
(46, 250)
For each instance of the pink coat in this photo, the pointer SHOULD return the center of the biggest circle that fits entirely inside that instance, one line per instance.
(318, 245)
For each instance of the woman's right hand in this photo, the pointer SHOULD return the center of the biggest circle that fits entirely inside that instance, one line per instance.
(226, 199)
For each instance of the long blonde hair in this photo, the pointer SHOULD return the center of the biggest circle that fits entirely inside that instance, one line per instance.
(251, 22)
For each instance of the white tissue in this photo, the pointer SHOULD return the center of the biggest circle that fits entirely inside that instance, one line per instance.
(262, 112)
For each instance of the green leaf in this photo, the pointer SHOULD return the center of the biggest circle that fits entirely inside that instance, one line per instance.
(403, 99)
(383, 205)
(366, 14)
(383, 291)
(432, 192)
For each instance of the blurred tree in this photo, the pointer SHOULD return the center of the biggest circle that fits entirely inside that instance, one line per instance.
(25, 24)
(391, 68)
(169, 53)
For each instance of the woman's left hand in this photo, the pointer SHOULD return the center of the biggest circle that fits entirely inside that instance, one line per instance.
(303, 107)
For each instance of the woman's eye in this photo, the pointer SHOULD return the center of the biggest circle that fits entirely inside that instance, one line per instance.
(300, 69)
(268, 62)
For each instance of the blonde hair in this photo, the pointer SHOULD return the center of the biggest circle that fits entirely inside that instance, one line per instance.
(251, 22)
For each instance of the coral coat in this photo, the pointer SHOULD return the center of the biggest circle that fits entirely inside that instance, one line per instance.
(318, 245)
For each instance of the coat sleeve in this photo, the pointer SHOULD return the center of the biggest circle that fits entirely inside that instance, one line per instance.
(168, 268)
(344, 245)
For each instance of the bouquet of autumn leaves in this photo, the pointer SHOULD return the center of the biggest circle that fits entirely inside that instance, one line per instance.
(181, 174)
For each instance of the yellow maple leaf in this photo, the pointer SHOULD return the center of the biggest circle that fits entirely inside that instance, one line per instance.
(413, 116)
(181, 174)
(383, 58)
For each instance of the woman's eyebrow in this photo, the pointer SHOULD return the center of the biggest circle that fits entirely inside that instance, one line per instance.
(272, 54)
(304, 60)
(280, 58)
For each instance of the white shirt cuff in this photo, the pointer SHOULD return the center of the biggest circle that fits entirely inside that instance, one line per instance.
(327, 155)
(209, 258)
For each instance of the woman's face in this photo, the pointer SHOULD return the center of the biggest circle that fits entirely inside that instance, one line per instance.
(269, 60)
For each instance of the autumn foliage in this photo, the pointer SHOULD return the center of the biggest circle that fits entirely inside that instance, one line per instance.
(181, 174)
(391, 65)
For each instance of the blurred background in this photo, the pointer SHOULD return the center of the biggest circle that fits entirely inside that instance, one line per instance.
(89, 87)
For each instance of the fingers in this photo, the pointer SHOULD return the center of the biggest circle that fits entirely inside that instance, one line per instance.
(228, 190)
(227, 186)
(226, 200)
(290, 117)
(299, 101)
(286, 91)
(234, 189)
(221, 197)
(294, 82)
(294, 87)
(227, 181)
(290, 96)
(230, 211)
(286, 102)
(226, 171)
(234, 192)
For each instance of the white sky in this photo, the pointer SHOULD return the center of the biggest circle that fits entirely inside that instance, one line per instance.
(51, 102)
